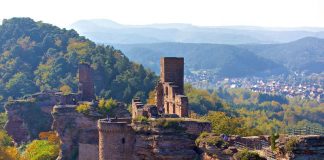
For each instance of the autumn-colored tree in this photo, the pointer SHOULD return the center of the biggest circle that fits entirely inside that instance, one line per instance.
(106, 106)
(41, 150)
(50, 136)
(151, 99)
(7, 149)
(9, 153)
(65, 89)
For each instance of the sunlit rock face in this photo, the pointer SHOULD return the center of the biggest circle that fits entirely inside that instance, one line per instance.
(28, 117)
(302, 147)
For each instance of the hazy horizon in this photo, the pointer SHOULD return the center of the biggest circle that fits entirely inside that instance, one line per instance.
(260, 13)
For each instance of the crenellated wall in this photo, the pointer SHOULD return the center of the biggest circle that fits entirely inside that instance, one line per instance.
(116, 140)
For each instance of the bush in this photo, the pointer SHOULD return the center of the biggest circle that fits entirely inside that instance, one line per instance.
(9, 153)
(49, 136)
(83, 108)
(291, 143)
(65, 89)
(141, 119)
(41, 150)
(106, 106)
(5, 139)
(211, 139)
(170, 124)
(247, 155)
(273, 138)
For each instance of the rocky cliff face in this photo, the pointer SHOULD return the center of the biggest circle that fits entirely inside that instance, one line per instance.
(161, 139)
(302, 147)
(78, 133)
(30, 116)
(160, 144)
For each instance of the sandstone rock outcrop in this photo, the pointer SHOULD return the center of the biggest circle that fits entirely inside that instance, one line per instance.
(302, 147)
(161, 139)
(78, 133)
(30, 116)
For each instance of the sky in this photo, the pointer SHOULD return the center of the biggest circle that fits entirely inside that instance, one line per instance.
(265, 13)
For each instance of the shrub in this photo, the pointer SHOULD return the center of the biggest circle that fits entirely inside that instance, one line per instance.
(83, 108)
(9, 153)
(273, 138)
(65, 89)
(291, 143)
(170, 124)
(247, 155)
(141, 119)
(5, 139)
(211, 139)
(49, 136)
(106, 106)
(41, 150)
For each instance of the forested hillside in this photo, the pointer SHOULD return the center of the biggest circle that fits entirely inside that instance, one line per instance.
(242, 112)
(222, 60)
(306, 54)
(36, 56)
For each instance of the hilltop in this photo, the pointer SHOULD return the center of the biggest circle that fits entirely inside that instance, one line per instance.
(35, 56)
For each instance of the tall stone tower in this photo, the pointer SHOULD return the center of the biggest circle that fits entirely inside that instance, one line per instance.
(116, 140)
(170, 97)
(172, 70)
(86, 84)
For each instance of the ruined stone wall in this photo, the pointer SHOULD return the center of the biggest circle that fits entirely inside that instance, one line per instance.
(78, 133)
(136, 107)
(116, 140)
(172, 70)
(86, 84)
(174, 102)
(182, 104)
(147, 141)
(195, 128)
(159, 99)
(170, 86)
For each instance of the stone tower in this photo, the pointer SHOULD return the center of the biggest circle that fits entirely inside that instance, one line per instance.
(116, 140)
(86, 84)
(172, 70)
(170, 97)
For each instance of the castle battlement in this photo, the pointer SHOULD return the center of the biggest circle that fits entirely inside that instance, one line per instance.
(123, 125)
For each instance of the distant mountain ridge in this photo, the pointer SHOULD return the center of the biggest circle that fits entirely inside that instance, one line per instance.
(305, 54)
(223, 60)
(110, 32)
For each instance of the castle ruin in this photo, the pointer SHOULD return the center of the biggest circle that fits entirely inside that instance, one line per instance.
(86, 84)
(167, 125)
(170, 98)
(116, 139)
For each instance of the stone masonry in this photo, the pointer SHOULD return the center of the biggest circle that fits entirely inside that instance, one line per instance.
(170, 90)
(86, 84)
